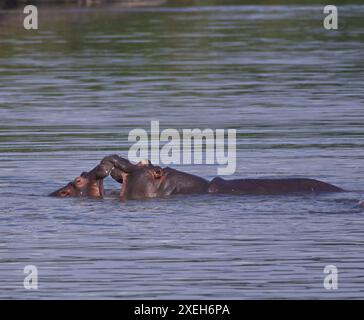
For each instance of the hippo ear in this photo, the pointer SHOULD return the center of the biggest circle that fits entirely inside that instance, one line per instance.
(157, 172)
(144, 162)
(80, 182)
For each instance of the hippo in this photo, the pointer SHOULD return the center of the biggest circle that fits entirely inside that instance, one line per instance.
(270, 186)
(88, 184)
(144, 180)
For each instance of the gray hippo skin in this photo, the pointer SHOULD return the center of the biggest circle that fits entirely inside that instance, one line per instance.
(144, 180)
(270, 186)
(88, 184)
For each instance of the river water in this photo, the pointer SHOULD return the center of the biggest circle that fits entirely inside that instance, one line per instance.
(71, 92)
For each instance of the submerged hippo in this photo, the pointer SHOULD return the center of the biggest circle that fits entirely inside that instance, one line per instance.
(144, 180)
(88, 184)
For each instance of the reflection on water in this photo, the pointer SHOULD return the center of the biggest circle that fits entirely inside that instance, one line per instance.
(70, 93)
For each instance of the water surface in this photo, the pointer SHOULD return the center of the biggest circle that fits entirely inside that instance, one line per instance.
(71, 92)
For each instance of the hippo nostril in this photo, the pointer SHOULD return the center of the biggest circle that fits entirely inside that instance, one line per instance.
(64, 193)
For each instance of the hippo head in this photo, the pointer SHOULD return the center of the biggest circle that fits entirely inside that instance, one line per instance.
(88, 184)
(81, 186)
(139, 181)
(144, 180)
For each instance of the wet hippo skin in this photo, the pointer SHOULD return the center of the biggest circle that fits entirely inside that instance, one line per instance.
(270, 186)
(145, 180)
(88, 184)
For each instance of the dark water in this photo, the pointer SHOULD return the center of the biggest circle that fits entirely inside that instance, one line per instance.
(70, 93)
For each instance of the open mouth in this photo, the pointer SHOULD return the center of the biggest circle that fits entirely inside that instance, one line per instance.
(121, 177)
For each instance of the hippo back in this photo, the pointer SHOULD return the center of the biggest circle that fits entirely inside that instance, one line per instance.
(270, 186)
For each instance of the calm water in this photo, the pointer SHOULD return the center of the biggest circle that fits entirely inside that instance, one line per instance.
(70, 93)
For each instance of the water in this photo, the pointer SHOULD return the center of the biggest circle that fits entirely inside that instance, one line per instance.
(70, 93)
